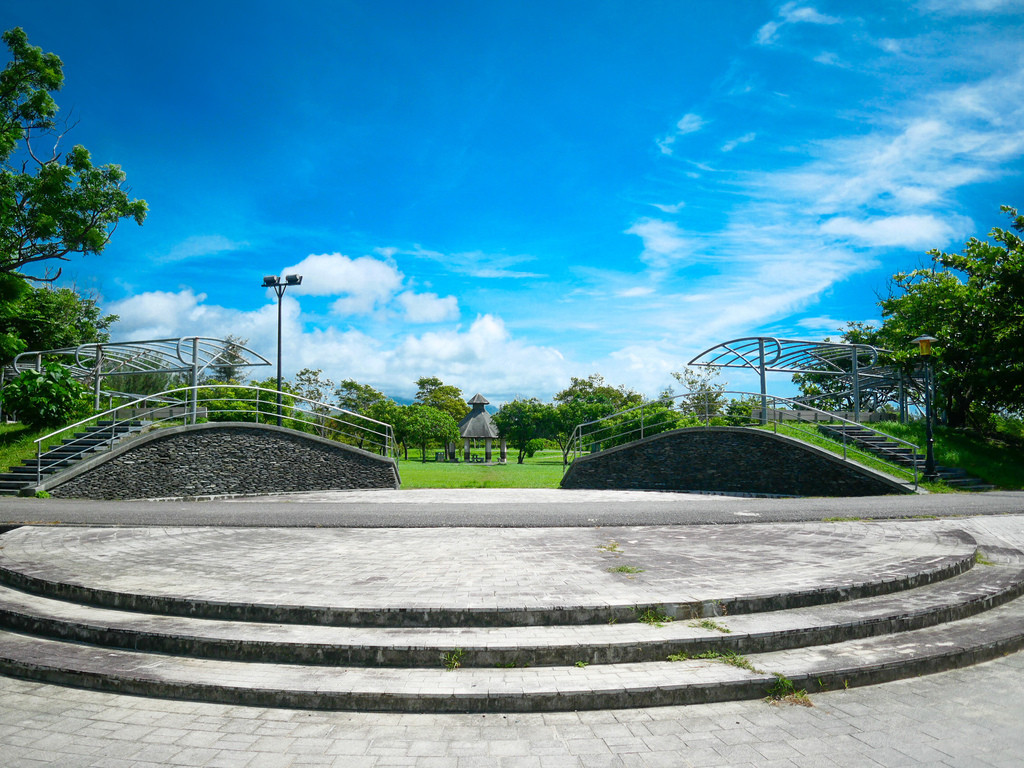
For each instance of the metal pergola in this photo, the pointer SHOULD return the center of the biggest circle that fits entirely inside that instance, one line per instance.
(767, 354)
(92, 363)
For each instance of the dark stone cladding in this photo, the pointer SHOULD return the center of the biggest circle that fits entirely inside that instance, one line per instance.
(727, 460)
(223, 458)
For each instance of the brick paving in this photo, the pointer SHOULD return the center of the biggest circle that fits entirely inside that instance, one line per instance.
(970, 716)
(966, 717)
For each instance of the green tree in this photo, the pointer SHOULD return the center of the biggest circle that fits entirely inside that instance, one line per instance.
(522, 421)
(356, 397)
(424, 425)
(46, 398)
(703, 392)
(973, 303)
(227, 367)
(586, 400)
(312, 385)
(52, 204)
(445, 397)
(53, 318)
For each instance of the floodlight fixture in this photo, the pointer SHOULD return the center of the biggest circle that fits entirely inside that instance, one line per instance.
(269, 281)
(294, 279)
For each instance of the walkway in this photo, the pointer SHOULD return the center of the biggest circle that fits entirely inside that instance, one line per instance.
(964, 718)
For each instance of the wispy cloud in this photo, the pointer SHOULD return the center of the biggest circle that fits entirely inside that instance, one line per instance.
(475, 263)
(673, 208)
(688, 123)
(746, 138)
(792, 13)
(202, 245)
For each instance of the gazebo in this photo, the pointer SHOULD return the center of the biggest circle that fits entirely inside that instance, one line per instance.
(477, 425)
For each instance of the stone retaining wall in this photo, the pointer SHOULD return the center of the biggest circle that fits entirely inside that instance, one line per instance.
(727, 459)
(219, 458)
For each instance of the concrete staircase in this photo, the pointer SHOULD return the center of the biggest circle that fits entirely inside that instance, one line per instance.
(900, 455)
(923, 615)
(101, 436)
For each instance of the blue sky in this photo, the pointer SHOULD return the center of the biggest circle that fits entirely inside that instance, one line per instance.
(505, 195)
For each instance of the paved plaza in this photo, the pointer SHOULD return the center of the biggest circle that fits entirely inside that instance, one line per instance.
(973, 716)
(966, 718)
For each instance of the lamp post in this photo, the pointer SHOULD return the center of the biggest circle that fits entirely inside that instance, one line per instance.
(275, 282)
(925, 346)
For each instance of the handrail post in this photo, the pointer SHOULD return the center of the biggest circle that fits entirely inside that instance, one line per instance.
(39, 462)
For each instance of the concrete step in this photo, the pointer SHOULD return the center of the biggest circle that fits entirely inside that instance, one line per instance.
(476, 689)
(977, 590)
(897, 577)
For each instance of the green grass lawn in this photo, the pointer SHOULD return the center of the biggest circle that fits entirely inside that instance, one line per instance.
(544, 470)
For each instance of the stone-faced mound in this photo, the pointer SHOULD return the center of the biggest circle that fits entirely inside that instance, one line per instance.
(727, 460)
(223, 458)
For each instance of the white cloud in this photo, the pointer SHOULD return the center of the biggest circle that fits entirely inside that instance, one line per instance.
(477, 263)
(688, 123)
(792, 13)
(746, 138)
(158, 314)
(428, 307)
(913, 231)
(664, 242)
(640, 290)
(674, 208)
(485, 357)
(366, 285)
(956, 7)
(202, 245)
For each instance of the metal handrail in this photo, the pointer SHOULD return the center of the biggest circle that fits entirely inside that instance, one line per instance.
(624, 427)
(315, 413)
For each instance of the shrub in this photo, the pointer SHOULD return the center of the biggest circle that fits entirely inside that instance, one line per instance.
(46, 398)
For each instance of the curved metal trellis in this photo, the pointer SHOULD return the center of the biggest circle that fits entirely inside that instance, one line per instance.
(91, 363)
(767, 354)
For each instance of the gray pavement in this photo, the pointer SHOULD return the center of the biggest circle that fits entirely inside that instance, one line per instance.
(499, 507)
(963, 718)
(967, 717)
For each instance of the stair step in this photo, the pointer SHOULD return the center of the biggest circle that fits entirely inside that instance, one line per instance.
(974, 591)
(477, 689)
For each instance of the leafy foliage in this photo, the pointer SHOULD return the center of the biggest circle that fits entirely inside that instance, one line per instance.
(979, 322)
(423, 425)
(46, 398)
(703, 393)
(227, 369)
(445, 397)
(356, 397)
(51, 318)
(52, 204)
(522, 422)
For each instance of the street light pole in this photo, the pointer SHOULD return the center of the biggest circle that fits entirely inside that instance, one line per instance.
(925, 346)
(275, 282)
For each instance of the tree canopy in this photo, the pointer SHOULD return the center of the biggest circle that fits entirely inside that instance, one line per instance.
(48, 318)
(973, 303)
(356, 397)
(522, 421)
(445, 397)
(424, 425)
(52, 203)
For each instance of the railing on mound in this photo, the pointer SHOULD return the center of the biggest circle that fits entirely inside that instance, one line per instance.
(741, 409)
(222, 402)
